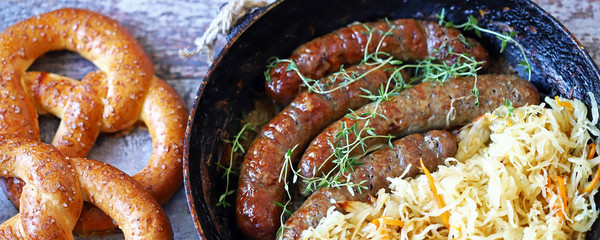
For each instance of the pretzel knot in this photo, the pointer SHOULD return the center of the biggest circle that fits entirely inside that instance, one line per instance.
(123, 91)
(56, 188)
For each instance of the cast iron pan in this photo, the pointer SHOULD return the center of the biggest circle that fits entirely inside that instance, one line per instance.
(236, 77)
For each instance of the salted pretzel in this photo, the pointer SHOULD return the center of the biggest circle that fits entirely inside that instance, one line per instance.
(124, 90)
(57, 186)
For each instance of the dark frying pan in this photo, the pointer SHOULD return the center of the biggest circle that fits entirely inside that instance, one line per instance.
(560, 65)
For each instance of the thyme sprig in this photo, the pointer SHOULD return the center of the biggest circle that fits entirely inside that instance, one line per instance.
(505, 37)
(425, 70)
(345, 160)
(509, 110)
(236, 147)
(344, 156)
(283, 177)
(325, 87)
(321, 87)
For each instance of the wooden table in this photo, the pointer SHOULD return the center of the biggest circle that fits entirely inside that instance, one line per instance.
(165, 26)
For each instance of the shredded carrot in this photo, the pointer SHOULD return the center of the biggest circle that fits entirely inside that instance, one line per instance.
(387, 221)
(376, 222)
(563, 193)
(381, 232)
(593, 183)
(438, 198)
(550, 194)
(392, 222)
(565, 104)
(592, 150)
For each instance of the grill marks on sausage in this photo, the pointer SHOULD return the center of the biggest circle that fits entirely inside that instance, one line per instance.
(426, 106)
(410, 40)
(433, 147)
(305, 117)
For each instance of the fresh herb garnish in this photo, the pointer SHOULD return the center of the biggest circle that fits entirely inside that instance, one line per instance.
(425, 70)
(236, 147)
(472, 25)
(283, 177)
(355, 136)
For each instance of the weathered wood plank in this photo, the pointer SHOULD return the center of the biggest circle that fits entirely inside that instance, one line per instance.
(165, 26)
(162, 27)
(581, 18)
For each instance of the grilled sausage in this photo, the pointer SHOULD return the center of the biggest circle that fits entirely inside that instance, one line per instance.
(429, 105)
(433, 147)
(305, 117)
(410, 40)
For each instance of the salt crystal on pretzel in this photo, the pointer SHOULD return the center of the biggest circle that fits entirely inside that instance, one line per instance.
(123, 91)
(56, 187)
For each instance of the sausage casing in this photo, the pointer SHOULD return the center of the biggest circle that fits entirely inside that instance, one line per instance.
(259, 185)
(426, 106)
(433, 148)
(410, 40)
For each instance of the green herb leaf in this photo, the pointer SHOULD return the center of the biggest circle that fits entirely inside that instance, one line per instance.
(503, 46)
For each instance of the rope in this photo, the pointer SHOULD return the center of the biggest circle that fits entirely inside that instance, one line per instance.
(221, 25)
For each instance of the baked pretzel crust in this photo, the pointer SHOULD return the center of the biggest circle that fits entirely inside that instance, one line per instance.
(123, 91)
(57, 186)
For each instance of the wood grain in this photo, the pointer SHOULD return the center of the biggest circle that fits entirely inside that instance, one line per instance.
(165, 26)
(582, 18)
(162, 27)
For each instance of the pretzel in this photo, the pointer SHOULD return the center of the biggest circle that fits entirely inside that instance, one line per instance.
(27, 160)
(57, 186)
(123, 91)
(49, 92)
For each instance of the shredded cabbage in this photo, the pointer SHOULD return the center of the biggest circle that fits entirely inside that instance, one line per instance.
(502, 184)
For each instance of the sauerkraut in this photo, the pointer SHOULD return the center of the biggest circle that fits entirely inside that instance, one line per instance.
(509, 180)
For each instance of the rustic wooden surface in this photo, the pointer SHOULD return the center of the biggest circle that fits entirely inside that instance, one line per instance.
(165, 26)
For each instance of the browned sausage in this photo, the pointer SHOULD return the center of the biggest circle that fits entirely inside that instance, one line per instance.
(433, 148)
(410, 40)
(423, 107)
(305, 117)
